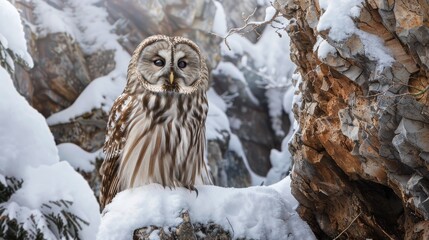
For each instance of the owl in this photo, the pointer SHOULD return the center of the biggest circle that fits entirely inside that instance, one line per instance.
(156, 127)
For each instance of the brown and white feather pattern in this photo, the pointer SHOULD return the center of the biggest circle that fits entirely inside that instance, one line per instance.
(155, 137)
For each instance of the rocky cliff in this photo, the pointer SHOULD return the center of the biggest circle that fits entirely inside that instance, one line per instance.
(361, 152)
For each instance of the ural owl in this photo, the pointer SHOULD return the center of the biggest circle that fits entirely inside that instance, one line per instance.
(156, 127)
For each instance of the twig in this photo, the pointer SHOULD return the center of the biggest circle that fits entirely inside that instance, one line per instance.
(233, 232)
(253, 26)
(341, 233)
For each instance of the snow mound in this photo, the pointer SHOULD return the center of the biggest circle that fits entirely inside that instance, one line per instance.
(255, 212)
(77, 157)
(12, 32)
(29, 153)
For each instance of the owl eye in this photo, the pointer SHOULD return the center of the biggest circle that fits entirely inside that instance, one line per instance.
(159, 63)
(181, 64)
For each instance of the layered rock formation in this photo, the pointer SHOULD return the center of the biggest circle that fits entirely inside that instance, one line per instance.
(361, 153)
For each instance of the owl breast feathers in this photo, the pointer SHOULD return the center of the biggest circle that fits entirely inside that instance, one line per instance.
(156, 127)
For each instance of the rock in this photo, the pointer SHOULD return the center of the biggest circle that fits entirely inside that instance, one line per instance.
(87, 131)
(59, 75)
(184, 231)
(361, 151)
(227, 168)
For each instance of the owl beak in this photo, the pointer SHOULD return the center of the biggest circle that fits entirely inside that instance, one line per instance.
(171, 77)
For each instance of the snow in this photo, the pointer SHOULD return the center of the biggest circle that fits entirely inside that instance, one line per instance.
(12, 33)
(287, 102)
(217, 121)
(325, 49)
(255, 212)
(78, 158)
(219, 22)
(235, 146)
(29, 153)
(25, 139)
(281, 161)
(269, 13)
(230, 70)
(275, 109)
(338, 19)
(60, 182)
(284, 188)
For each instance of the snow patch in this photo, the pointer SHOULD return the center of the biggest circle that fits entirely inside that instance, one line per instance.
(235, 146)
(254, 213)
(219, 22)
(78, 158)
(12, 33)
(324, 49)
(338, 19)
(230, 70)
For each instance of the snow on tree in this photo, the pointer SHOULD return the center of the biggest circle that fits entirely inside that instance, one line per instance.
(40, 197)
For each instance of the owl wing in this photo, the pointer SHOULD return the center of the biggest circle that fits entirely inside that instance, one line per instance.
(113, 145)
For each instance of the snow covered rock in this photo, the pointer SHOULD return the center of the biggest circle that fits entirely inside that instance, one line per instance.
(48, 189)
(40, 197)
(247, 213)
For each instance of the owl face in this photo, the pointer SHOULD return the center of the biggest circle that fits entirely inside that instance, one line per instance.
(170, 64)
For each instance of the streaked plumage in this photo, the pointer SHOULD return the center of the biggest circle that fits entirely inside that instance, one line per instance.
(156, 127)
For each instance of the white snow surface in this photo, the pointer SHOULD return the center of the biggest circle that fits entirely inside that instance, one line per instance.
(60, 181)
(12, 33)
(25, 139)
(324, 49)
(255, 212)
(29, 153)
(216, 121)
(219, 22)
(78, 158)
(338, 18)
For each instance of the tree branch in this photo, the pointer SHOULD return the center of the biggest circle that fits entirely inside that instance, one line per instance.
(252, 26)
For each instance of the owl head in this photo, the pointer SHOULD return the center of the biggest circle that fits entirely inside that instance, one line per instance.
(169, 64)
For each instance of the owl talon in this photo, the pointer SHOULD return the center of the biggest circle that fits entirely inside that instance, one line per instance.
(192, 188)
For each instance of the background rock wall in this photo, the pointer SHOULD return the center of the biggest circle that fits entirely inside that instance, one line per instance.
(64, 68)
(361, 151)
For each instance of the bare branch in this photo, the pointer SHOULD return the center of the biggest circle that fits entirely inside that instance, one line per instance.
(253, 26)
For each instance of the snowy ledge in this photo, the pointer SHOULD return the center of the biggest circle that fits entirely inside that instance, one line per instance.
(247, 213)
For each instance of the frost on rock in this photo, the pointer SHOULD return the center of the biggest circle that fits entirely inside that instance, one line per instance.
(248, 213)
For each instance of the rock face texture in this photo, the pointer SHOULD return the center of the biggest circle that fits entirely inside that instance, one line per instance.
(361, 151)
